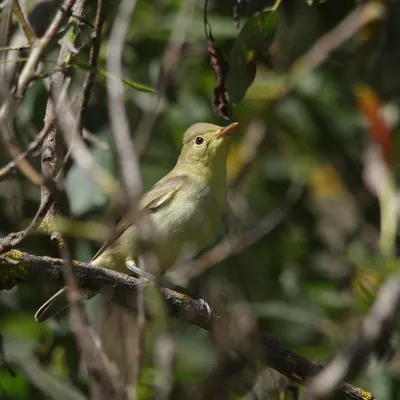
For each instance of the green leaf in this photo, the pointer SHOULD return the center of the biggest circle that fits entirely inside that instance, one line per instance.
(83, 193)
(68, 39)
(256, 36)
(105, 74)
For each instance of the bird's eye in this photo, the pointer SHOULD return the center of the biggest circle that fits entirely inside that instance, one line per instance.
(199, 140)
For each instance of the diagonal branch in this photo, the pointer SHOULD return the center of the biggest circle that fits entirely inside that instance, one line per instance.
(19, 14)
(9, 107)
(12, 165)
(374, 332)
(124, 146)
(21, 268)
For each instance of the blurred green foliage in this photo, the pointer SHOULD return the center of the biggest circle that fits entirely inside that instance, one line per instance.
(310, 280)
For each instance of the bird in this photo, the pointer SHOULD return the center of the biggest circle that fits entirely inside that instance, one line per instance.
(185, 208)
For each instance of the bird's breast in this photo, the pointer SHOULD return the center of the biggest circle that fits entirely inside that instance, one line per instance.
(183, 228)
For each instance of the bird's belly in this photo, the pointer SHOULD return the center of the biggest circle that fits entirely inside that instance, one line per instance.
(183, 231)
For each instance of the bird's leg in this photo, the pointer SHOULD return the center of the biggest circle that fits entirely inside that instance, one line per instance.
(142, 274)
(138, 272)
(204, 305)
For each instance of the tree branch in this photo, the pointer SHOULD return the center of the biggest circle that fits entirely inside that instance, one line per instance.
(9, 107)
(18, 268)
(373, 334)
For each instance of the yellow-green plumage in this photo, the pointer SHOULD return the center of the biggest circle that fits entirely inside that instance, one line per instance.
(185, 208)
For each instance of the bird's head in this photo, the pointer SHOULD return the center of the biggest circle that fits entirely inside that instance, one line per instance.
(205, 148)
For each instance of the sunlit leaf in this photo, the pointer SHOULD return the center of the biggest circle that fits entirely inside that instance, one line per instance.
(105, 74)
(256, 36)
(371, 107)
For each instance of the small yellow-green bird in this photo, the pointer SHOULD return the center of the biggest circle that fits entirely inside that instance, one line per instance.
(185, 208)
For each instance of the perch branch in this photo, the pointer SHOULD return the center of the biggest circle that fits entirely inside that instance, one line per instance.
(18, 268)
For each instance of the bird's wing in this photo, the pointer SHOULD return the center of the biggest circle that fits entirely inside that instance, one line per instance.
(154, 199)
(162, 192)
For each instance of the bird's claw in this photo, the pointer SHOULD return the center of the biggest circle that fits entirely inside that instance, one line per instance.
(204, 306)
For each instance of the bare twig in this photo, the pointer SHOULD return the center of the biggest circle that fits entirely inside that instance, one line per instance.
(89, 80)
(170, 63)
(23, 165)
(41, 15)
(269, 384)
(19, 13)
(31, 148)
(322, 49)
(80, 153)
(123, 289)
(15, 48)
(3, 361)
(93, 56)
(250, 146)
(5, 33)
(38, 375)
(124, 146)
(165, 350)
(139, 342)
(325, 46)
(375, 329)
(15, 239)
(220, 67)
(51, 151)
(9, 107)
(231, 246)
(105, 380)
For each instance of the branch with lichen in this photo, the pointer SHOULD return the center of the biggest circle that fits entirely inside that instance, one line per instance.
(18, 268)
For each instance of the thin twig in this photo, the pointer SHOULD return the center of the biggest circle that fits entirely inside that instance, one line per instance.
(124, 146)
(12, 165)
(3, 360)
(89, 80)
(171, 61)
(51, 152)
(15, 239)
(323, 48)
(41, 15)
(104, 374)
(105, 380)
(23, 165)
(220, 67)
(231, 246)
(80, 153)
(15, 48)
(93, 56)
(19, 14)
(9, 107)
(375, 329)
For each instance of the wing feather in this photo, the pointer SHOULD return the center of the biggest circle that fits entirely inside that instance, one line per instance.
(154, 199)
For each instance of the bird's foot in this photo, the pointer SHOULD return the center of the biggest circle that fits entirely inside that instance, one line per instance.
(205, 307)
(138, 272)
(141, 274)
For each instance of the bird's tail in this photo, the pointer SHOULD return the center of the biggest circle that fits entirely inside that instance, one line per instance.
(116, 326)
(57, 303)
(54, 305)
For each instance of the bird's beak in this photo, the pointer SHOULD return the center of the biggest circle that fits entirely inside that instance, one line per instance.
(224, 132)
